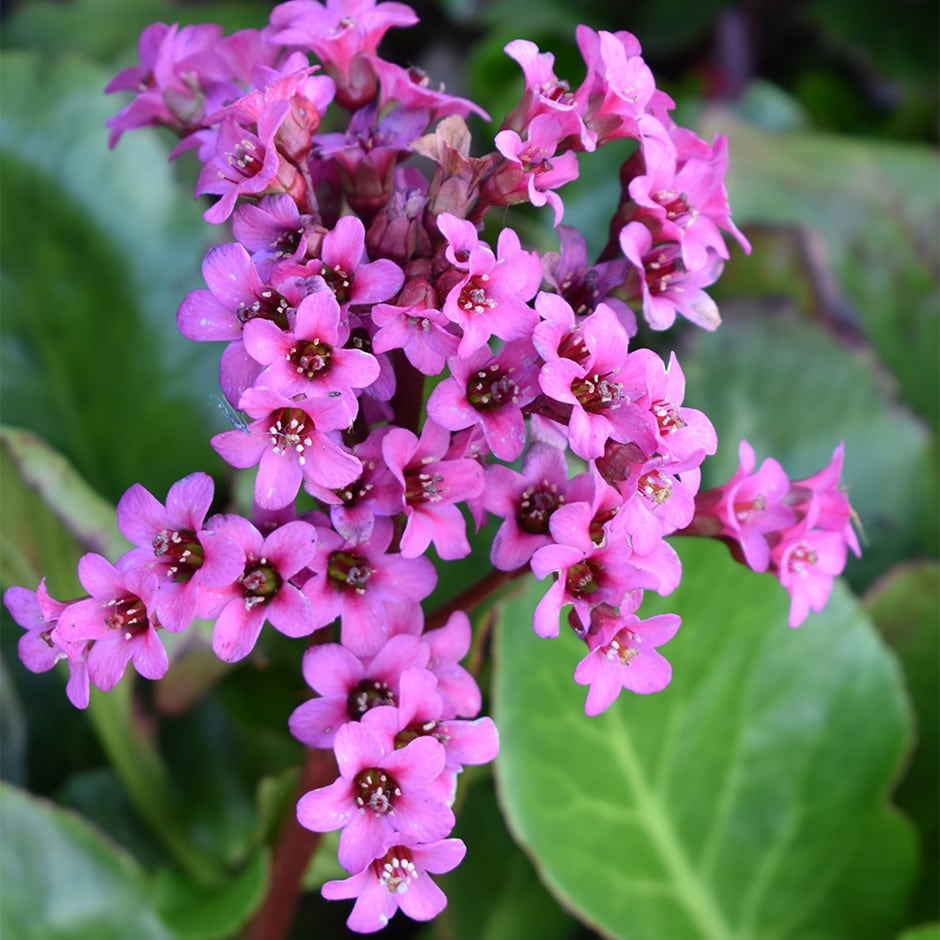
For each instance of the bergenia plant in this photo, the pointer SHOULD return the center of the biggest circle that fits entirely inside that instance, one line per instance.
(404, 368)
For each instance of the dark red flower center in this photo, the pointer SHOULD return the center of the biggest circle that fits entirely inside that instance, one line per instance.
(127, 614)
(473, 297)
(267, 305)
(311, 358)
(655, 486)
(597, 393)
(491, 388)
(289, 430)
(181, 551)
(375, 790)
(348, 571)
(370, 693)
(583, 579)
(667, 417)
(536, 506)
(339, 282)
(260, 582)
(395, 869)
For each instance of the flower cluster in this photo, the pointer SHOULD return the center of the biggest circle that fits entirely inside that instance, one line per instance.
(799, 531)
(353, 279)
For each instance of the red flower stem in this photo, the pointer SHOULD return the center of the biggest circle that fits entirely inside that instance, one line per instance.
(473, 596)
(292, 853)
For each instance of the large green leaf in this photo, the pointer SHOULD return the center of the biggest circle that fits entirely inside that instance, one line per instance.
(905, 605)
(98, 250)
(63, 881)
(517, 905)
(875, 207)
(104, 28)
(747, 800)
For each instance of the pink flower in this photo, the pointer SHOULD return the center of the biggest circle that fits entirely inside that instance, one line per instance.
(119, 619)
(525, 502)
(355, 580)
(545, 94)
(381, 791)
(312, 359)
(624, 656)
(339, 33)
(420, 332)
(237, 293)
(433, 485)
(806, 562)
(184, 73)
(593, 385)
(348, 685)
(398, 880)
(245, 163)
(665, 285)
(174, 544)
(457, 687)
(288, 441)
(582, 285)
(421, 712)
(272, 230)
(543, 168)
(263, 590)
(749, 508)
(41, 646)
(822, 496)
(344, 267)
(491, 297)
(488, 391)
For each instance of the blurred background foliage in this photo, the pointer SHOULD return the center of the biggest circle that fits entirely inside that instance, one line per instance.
(832, 331)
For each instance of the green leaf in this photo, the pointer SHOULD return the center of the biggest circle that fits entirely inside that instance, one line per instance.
(495, 868)
(747, 800)
(105, 28)
(197, 913)
(63, 881)
(875, 205)
(794, 393)
(83, 514)
(98, 250)
(905, 605)
(923, 932)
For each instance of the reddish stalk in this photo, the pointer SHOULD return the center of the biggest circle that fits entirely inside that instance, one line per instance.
(475, 594)
(292, 853)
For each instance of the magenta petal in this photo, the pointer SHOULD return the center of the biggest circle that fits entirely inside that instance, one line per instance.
(354, 886)
(278, 480)
(316, 722)
(357, 747)
(291, 613)
(189, 499)
(417, 764)
(362, 840)
(423, 900)
(140, 516)
(439, 857)
(329, 464)
(374, 908)
(327, 808)
(648, 672)
(236, 631)
(422, 819)
(149, 656)
(241, 449)
(471, 742)
(331, 669)
(107, 660)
